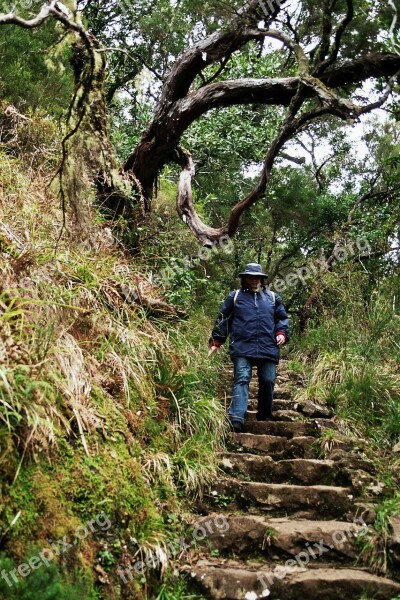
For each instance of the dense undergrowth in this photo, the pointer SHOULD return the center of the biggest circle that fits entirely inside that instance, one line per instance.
(352, 354)
(349, 357)
(108, 413)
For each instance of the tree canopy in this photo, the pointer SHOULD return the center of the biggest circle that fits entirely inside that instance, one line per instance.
(260, 73)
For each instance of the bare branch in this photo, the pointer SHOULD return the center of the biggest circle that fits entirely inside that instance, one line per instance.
(292, 29)
(321, 49)
(319, 176)
(152, 153)
(185, 206)
(331, 105)
(168, 126)
(301, 57)
(217, 72)
(55, 9)
(381, 101)
(132, 53)
(295, 159)
(44, 13)
(250, 91)
(211, 50)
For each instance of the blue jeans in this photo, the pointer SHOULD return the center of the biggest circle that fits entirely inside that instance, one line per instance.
(242, 369)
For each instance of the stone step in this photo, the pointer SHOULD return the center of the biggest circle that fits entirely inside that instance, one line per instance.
(313, 410)
(301, 447)
(307, 540)
(279, 428)
(285, 501)
(298, 471)
(279, 415)
(237, 581)
(275, 446)
(324, 424)
(308, 409)
(279, 394)
(279, 404)
(313, 501)
(269, 444)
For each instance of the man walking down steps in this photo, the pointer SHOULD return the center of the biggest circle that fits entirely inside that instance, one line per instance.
(257, 323)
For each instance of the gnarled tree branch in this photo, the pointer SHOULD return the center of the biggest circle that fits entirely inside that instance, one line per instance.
(45, 12)
(167, 133)
(181, 102)
(159, 143)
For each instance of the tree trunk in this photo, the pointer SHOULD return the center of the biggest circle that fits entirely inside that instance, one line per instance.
(88, 157)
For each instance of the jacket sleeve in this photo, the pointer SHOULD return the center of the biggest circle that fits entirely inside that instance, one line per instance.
(281, 318)
(223, 322)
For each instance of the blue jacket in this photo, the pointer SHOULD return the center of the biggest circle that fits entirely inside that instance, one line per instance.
(252, 323)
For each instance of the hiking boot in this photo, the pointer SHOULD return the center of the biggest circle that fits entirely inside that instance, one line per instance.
(236, 426)
(270, 418)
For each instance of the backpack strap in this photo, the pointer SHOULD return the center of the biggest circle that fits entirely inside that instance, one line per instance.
(269, 291)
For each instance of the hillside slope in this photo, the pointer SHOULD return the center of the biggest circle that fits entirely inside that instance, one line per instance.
(108, 421)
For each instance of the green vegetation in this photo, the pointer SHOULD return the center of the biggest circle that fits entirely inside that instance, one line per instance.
(106, 406)
(28, 71)
(373, 543)
(109, 406)
(351, 352)
(269, 536)
(49, 584)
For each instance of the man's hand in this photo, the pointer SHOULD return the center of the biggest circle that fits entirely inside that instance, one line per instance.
(212, 350)
(280, 339)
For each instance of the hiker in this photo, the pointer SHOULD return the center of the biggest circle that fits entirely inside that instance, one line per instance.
(257, 323)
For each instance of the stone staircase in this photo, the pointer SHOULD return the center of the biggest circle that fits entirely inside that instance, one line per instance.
(284, 523)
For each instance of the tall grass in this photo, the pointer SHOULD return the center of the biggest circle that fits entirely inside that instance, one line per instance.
(103, 406)
(352, 352)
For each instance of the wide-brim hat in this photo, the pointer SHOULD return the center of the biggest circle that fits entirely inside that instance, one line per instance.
(253, 269)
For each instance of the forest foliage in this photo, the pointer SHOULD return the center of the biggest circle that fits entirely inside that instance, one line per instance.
(107, 401)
